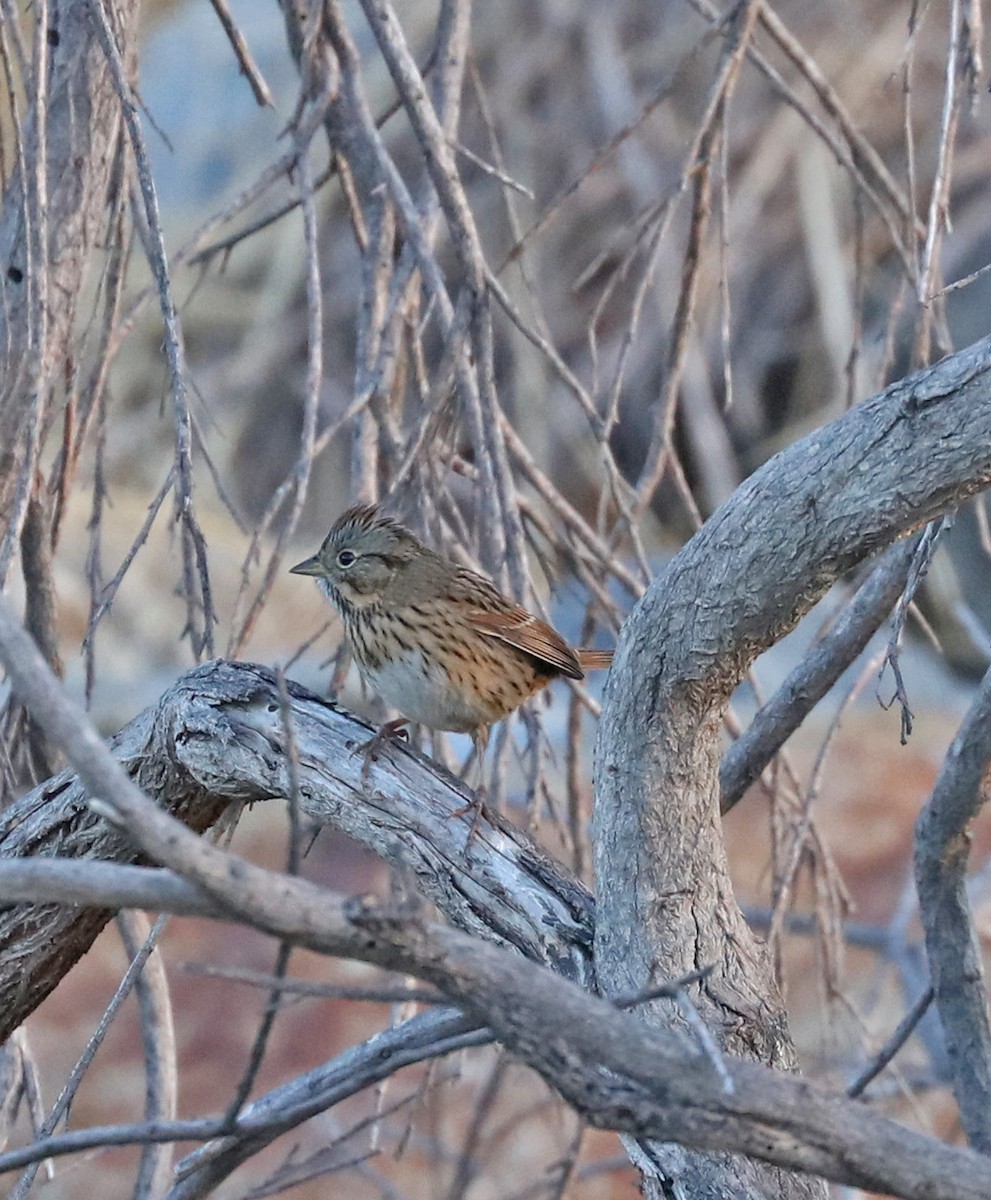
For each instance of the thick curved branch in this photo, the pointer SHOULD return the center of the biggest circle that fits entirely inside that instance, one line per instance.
(942, 850)
(665, 902)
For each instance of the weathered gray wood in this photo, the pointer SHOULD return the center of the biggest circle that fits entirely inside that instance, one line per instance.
(618, 1074)
(218, 735)
(40, 942)
(942, 852)
(665, 903)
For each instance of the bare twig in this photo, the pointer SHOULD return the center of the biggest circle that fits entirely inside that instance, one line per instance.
(921, 561)
(158, 1036)
(906, 1027)
(812, 679)
(200, 615)
(309, 989)
(75, 1077)
(249, 68)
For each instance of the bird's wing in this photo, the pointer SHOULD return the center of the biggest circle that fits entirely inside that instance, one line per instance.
(519, 628)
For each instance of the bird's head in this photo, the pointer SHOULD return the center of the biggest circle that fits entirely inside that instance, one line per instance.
(360, 557)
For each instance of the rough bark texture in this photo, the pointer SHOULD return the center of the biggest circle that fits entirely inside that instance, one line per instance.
(665, 901)
(218, 736)
(615, 1072)
(942, 853)
(40, 942)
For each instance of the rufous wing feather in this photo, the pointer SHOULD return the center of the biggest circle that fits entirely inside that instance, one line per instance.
(521, 629)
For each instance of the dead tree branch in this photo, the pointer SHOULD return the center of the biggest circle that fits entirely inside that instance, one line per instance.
(217, 737)
(811, 679)
(615, 1072)
(942, 851)
(759, 563)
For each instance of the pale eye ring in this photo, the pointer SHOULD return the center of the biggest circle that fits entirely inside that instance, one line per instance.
(345, 558)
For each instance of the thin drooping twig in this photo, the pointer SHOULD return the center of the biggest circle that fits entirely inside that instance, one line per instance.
(249, 68)
(310, 989)
(201, 617)
(918, 568)
(906, 1027)
(675, 990)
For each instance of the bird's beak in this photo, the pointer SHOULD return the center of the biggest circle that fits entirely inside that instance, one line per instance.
(309, 566)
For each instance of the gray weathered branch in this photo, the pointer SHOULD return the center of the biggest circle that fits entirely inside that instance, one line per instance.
(942, 851)
(647, 1083)
(665, 902)
(217, 736)
(616, 1072)
(806, 685)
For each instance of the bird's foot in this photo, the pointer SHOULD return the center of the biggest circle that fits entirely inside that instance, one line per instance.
(476, 806)
(389, 732)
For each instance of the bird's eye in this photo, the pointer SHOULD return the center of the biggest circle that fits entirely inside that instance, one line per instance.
(345, 558)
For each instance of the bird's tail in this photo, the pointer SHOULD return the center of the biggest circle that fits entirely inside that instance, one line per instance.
(594, 660)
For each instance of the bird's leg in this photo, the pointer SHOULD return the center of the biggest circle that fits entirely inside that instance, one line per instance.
(476, 806)
(387, 733)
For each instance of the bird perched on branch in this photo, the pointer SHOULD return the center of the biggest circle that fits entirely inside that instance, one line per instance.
(434, 640)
